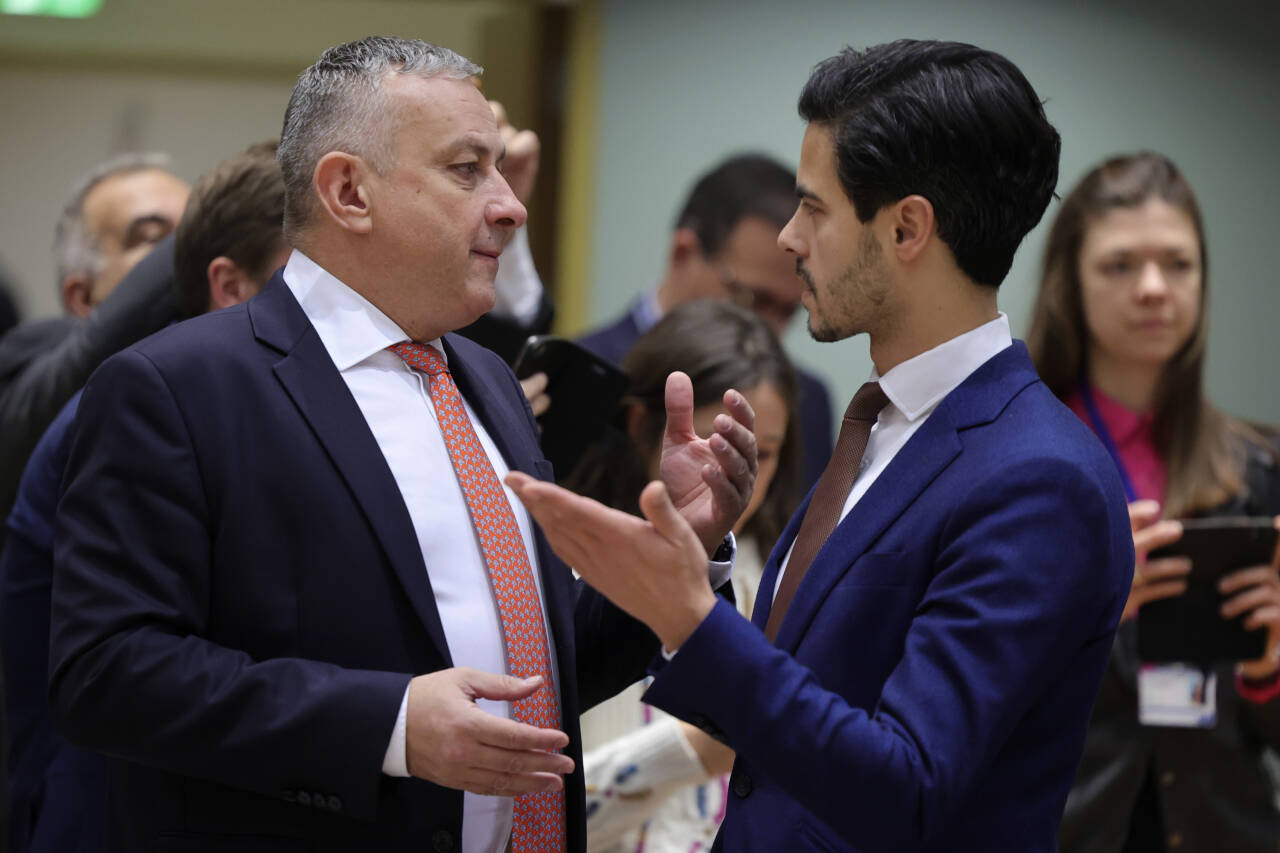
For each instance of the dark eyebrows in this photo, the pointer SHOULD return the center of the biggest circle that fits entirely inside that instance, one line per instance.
(805, 194)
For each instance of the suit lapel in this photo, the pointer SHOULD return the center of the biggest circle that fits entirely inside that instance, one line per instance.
(978, 400)
(320, 394)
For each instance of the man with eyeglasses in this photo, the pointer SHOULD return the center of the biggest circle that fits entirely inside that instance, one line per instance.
(725, 246)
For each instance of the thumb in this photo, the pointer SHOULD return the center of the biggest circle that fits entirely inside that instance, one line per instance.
(679, 401)
(1143, 514)
(488, 685)
(655, 503)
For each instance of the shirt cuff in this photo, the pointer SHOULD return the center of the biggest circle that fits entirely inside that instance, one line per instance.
(1258, 692)
(518, 287)
(396, 761)
(719, 573)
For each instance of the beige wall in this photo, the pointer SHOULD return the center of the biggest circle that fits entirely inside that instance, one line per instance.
(198, 80)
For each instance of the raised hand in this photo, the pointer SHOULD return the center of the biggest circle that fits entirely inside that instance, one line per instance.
(1153, 579)
(520, 167)
(709, 479)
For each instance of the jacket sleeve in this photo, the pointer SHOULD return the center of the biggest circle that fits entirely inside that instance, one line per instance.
(132, 672)
(1007, 604)
(144, 302)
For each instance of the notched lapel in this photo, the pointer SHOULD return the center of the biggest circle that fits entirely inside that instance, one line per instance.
(317, 389)
(925, 455)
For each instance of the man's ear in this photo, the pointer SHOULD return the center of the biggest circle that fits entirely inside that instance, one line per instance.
(341, 182)
(77, 295)
(685, 248)
(913, 226)
(229, 284)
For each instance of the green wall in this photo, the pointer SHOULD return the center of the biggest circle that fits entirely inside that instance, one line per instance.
(685, 82)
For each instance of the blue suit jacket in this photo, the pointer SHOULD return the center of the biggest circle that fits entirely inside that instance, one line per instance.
(239, 598)
(813, 403)
(933, 677)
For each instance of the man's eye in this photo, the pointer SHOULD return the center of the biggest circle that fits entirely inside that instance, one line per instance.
(468, 170)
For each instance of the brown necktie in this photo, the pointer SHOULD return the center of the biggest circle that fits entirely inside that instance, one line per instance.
(829, 497)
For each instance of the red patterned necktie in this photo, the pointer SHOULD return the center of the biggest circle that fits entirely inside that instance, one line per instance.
(829, 496)
(539, 820)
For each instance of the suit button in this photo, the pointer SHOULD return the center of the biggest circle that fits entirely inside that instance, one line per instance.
(442, 841)
(334, 803)
(304, 799)
(742, 785)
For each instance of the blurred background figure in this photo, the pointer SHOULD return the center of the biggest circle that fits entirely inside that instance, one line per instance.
(228, 243)
(655, 783)
(725, 246)
(9, 311)
(113, 219)
(1119, 333)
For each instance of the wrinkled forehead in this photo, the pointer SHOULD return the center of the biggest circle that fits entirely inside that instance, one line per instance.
(120, 199)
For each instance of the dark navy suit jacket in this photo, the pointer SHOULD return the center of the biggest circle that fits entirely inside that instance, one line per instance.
(239, 599)
(616, 339)
(933, 677)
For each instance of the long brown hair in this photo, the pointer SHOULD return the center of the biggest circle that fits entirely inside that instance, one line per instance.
(1202, 446)
(720, 346)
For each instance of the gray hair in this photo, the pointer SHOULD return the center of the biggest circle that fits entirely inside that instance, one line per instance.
(338, 104)
(75, 250)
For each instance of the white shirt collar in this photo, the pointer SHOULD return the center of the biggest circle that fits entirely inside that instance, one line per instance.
(918, 384)
(351, 327)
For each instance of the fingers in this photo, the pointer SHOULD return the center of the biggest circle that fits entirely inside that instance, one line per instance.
(1242, 578)
(1157, 591)
(1143, 514)
(499, 114)
(496, 784)
(535, 388)
(1249, 600)
(679, 401)
(1163, 569)
(489, 685)
(740, 409)
(655, 503)
(1155, 536)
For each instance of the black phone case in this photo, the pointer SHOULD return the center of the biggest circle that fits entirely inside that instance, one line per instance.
(1188, 628)
(584, 389)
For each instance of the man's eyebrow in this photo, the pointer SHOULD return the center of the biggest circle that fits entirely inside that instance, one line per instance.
(805, 194)
(479, 146)
(133, 233)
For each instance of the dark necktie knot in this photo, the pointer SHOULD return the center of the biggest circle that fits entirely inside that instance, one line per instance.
(867, 404)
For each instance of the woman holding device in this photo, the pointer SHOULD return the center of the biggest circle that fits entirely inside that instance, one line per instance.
(655, 783)
(1174, 755)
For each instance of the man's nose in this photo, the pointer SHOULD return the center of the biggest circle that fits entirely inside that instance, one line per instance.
(504, 209)
(788, 240)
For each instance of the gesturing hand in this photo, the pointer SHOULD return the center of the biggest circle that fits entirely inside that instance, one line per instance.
(1153, 579)
(709, 479)
(654, 569)
(449, 740)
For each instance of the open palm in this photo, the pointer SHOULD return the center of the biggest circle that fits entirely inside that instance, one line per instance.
(709, 479)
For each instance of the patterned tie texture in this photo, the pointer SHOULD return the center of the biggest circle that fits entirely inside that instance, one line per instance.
(539, 820)
(829, 496)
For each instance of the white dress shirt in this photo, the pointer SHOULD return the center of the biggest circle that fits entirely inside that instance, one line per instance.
(915, 388)
(396, 405)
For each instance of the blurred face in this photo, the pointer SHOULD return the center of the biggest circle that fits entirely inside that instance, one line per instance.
(771, 429)
(443, 213)
(1140, 284)
(126, 215)
(847, 286)
(759, 275)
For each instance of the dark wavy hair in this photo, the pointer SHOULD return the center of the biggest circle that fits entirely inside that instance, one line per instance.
(956, 124)
(720, 346)
(1202, 446)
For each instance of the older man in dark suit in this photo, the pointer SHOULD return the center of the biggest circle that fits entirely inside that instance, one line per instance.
(291, 594)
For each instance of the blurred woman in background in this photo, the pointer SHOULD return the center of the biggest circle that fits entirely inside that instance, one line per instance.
(1119, 334)
(655, 783)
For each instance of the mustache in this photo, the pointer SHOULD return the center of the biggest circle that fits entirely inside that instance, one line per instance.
(803, 273)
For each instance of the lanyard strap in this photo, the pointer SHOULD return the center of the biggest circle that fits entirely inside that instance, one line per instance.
(1104, 434)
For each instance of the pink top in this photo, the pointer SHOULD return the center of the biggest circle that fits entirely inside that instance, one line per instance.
(1132, 435)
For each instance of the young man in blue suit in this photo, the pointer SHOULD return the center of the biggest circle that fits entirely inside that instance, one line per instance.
(290, 595)
(934, 623)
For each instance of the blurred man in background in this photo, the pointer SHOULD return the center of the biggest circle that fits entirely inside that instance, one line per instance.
(228, 243)
(725, 246)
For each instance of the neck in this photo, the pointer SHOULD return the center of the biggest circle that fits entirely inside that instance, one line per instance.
(1131, 385)
(920, 329)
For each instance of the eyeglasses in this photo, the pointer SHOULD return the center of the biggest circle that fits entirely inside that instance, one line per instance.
(755, 298)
